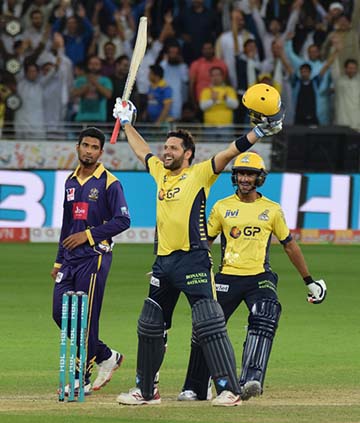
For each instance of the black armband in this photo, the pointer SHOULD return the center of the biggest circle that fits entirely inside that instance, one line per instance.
(243, 144)
(308, 280)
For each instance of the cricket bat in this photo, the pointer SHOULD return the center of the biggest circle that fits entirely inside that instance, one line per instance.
(138, 54)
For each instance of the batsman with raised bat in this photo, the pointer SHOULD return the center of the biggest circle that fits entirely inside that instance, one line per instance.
(183, 263)
(246, 221)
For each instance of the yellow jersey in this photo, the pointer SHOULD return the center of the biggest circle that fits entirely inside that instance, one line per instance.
(219, 113)
(246, 230)
(180, 205)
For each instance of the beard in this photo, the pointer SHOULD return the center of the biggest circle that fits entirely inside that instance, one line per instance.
(175, 164)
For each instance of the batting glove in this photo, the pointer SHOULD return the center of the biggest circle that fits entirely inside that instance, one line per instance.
(317, 290)
(268, 128)
(125, 111)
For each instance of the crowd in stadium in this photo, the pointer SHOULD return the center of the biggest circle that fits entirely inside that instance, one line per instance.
(68, 60)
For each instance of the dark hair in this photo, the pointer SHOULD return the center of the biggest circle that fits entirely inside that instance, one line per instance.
(350, 61)
(157, 70)
(187, 140)
(305, 66)
(121, 58)
(216, 68)
(93, 132)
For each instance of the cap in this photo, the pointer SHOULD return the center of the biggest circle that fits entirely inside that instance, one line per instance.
(336, 5)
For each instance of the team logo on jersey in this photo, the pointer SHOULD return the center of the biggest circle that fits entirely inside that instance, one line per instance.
(125, 211)
(231, 213)
(235, 232)
(70, 194)
(182, 177)
(245, 159)
(80, 211)
(264, 215)
(93, 194)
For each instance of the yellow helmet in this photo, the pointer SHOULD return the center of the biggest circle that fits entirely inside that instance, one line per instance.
(263, 100)
(251, 162)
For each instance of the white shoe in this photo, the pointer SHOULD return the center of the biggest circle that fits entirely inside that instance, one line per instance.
(187, 395)
(226, 399)
(106, 369)
(190, 395)
(134, 397)
(87, 388)
(251, 389)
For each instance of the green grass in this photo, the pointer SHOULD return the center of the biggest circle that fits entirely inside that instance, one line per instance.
(313, 373)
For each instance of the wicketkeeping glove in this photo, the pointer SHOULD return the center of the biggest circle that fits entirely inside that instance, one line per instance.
(317, 290)
(268, 128)
(125, 111)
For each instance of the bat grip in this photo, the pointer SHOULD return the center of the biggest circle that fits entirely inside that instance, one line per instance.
(115, 132)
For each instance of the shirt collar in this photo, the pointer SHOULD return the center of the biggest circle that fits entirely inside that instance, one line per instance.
(97, 173)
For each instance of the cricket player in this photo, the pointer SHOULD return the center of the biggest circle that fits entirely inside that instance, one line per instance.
(246, 221)
(95, 210)
(183, 263)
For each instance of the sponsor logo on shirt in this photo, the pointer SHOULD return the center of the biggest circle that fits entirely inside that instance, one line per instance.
(93, 194)
(70, 194)
(80, 211)
(235, 232)
(220, 287)
(168, 195)
(231, 213)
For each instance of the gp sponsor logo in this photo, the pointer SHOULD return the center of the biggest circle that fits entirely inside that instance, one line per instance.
(251, 230)
(80, 211)
(168, 195)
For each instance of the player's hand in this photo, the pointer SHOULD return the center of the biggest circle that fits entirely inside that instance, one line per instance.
(268, 128)
(74, 240)
(125, 111)
(54, 272)
(317, 291)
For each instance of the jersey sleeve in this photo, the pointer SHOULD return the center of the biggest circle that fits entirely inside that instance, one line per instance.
(206, 172)
(281, 230)
(154, 166)
(120, 220)
(214, 223)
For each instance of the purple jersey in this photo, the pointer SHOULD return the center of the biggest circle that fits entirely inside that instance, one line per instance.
(96, 204)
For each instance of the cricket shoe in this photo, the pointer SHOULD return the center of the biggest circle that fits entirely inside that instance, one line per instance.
(106, 369)
(87, 388)
(251, 389)
(134, 397)
(190, 395)
(226, 399)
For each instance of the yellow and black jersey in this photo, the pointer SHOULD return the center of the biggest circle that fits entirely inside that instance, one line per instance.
(246, 230)
(180, 205)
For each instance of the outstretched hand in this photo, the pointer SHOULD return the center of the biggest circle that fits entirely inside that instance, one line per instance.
(125, 111)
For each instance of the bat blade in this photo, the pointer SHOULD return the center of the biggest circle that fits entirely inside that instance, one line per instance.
(136, 59)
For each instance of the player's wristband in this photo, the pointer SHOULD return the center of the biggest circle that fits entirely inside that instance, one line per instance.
(308, 280)
(243, 144)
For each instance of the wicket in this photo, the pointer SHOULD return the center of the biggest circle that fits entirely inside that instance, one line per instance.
(77, 346)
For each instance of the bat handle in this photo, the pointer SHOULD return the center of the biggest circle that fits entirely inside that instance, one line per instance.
(115, 132)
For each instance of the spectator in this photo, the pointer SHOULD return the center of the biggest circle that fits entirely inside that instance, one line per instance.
(218, 101)
(200, 71)
(151, 55)
(52, 101)
(45, 7)
(159, 97)
(38, 31)
(306, 92)
(108, 63)
(316, 65)
(120, 32)
(176, 75)
(29, 121)
(77, 34)
(194, 26)
(118, 80)
(93, 90)
(231, 43)
(347, 96)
